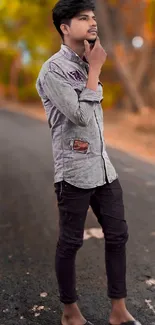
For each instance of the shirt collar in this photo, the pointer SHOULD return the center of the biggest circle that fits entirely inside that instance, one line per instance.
(72, 56)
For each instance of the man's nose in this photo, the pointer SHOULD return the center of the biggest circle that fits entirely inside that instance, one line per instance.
(93, 23)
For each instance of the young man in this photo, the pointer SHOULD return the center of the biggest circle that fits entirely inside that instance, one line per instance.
(69, 87)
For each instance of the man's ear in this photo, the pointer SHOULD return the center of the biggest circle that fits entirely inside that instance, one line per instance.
(64, 29)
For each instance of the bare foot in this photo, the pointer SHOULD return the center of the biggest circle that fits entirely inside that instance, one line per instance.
(72, 315)
(73, 320)
(118, 317)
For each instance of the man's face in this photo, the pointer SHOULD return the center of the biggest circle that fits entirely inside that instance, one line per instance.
(83, 27)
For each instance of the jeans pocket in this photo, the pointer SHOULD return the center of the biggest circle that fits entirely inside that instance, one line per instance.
(68, 188)
(58, 190)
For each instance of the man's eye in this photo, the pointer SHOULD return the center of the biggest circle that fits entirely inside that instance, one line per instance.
(83, 18)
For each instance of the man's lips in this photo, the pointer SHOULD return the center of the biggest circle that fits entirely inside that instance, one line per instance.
(92, 30)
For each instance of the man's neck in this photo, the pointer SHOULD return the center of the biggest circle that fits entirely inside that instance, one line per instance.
(78, 48)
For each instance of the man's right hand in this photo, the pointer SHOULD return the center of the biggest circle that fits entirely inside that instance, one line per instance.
(95, 56)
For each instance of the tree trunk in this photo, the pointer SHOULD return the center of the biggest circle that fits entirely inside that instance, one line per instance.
(121, 66)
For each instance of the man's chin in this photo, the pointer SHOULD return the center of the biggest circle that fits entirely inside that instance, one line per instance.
(91, 41)
(91, 38)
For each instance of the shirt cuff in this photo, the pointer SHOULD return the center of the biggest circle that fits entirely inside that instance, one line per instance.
(89, 95)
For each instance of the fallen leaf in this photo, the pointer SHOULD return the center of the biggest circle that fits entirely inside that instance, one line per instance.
(43, 294)
(150, 282)
(40, 308)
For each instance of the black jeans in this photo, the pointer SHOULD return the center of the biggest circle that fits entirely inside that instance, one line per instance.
(107, 204)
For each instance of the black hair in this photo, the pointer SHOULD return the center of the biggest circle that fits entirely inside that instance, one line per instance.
(65, 10)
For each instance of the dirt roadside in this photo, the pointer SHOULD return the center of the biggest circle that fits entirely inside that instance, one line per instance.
(127, 132)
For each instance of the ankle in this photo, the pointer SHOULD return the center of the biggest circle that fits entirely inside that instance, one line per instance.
(71, 310)
(72, 316)
(118, 305)
(120, 314)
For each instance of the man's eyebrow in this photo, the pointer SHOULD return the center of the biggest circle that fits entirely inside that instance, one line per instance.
(84, 15)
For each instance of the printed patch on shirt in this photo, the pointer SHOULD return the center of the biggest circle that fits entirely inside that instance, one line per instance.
(76, 75)
(80, 146)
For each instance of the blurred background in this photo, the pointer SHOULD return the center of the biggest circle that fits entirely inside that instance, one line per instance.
(127, 32)
(28, 207)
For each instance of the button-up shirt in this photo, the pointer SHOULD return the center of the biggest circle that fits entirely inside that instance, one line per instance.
(75, 117)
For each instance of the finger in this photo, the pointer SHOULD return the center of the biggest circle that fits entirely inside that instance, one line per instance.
(97, 43)
(87, 46)
(98, 39)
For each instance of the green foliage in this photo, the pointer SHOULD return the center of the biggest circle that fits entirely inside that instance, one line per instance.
(28, 94)
(151, 16)
(26, 27)
(112, 93)
(6, 58)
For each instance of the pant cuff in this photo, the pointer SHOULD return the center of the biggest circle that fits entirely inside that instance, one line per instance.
(117, 296)
(68, 301)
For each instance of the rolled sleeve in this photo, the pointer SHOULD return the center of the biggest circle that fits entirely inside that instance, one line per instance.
(78, 109)
(89, 95)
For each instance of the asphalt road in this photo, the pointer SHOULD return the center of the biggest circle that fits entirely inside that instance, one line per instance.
(29, 230)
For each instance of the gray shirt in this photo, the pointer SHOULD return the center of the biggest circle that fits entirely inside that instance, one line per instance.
(75, 117)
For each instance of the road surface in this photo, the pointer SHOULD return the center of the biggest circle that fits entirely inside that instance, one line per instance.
(29, 230)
